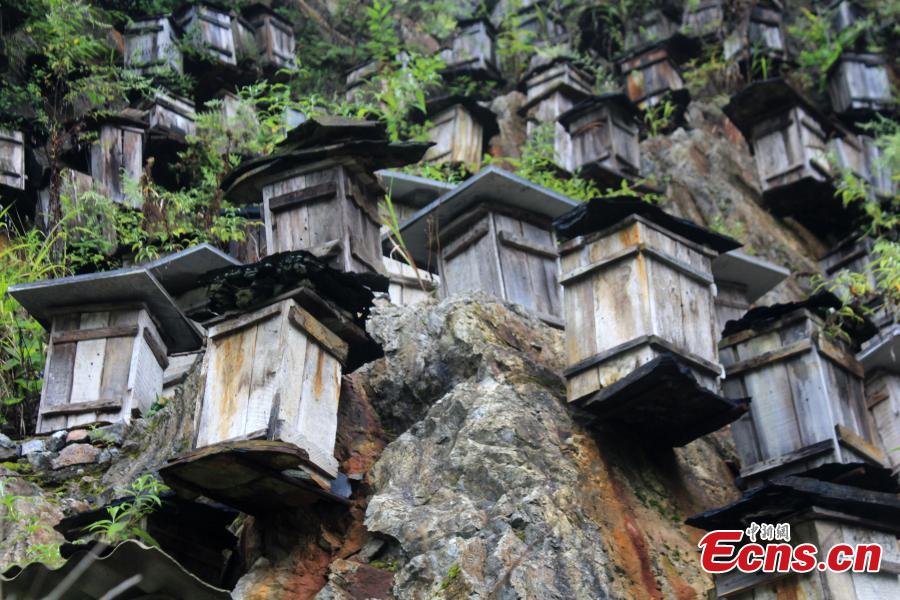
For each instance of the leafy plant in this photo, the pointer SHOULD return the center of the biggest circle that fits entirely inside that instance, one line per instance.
(539, 164)
(66, 71)
(876, 286)
(659, 117)
(126, 519)
(26, 527)
(25, 257)
(820, 45)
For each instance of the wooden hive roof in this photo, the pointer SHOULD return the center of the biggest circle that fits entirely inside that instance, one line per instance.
(601, 213)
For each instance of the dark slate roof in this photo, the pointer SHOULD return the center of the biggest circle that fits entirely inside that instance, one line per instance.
(617, 99)
(601, 213)
(781, 498)
(244, 288)
(338, 138)
(160, 575)
(662, 403)
(820, 304)
(862, 475)
(761, 99)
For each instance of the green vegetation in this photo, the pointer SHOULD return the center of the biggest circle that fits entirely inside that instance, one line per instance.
(875, 287)
(25, 525)
(821, 46)
(126, 519)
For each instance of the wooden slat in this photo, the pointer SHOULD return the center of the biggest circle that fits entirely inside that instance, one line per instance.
(58, 377)
(314, 193)
(766, 358)
(233, 325)
(74, 408)
(465, 241)
(840, 356)
(309, 324)
(801, 454)
(97, 333)
(857, 443)
(520, 243)
(156, 347)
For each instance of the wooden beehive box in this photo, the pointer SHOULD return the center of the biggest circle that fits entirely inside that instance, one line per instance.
(460, 128)
(820, 512)
(409, 285)
(761, 32)
(274, 373)
(208, 29)
(883, 403)
(552, 88)
(741, 280)
(787, 135)
(170, 117)
(850, 154)
(652, 26)
(472, 51)
(635, 289)
(493, 235)
(109, 337)
(880, 172)
(604, 134)
(274, 36)
(858, 85)
(102, 365)
(118, 154)
(319, 192)
(12, 160)
(244, 34)
(331, 212)
(650, 73)
(151, 44)
(704, 19)
(808, 404)
(846, 13)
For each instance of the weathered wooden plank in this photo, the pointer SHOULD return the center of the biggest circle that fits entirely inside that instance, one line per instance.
(312, 327)
(265, 373)
(859, 444)
(79, 335)
(88, 366)
(12, 159)
(91, 407)
(314, 193)
(57, 388)
(769, 357)
(118, 353)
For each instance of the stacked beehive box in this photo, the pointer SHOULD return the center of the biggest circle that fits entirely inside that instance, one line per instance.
(640, 319)
(493, 234)
(262, 344)
(319, 192)
(808, 402)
